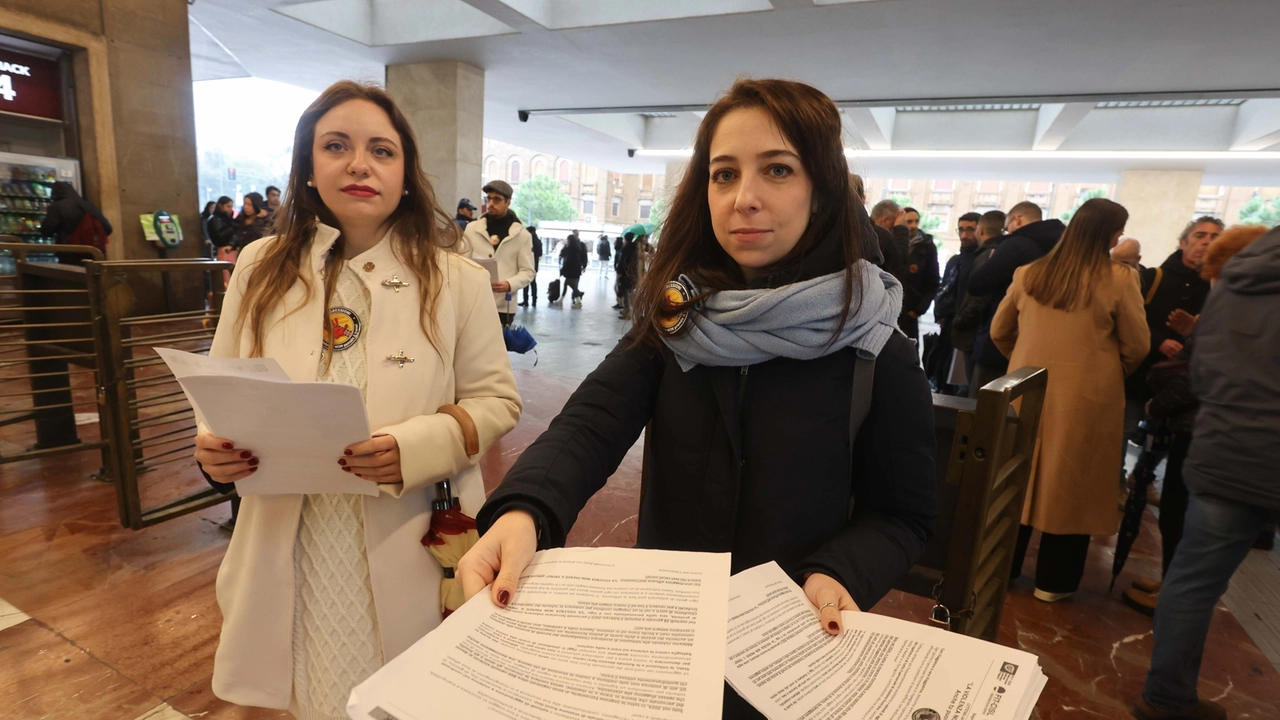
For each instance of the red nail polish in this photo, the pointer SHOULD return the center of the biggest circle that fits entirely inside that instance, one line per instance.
(346, 469)
(347, 452)
(833, 626)
(253, 470)
(504, 597)
(228, 446)
(253, 461)
(341, 461)
(246, 455)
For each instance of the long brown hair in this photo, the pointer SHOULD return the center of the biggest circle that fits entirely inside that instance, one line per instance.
(419, 227)
(810, 121)
(1068, 273)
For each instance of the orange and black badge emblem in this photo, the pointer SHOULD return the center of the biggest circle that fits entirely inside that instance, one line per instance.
(914, 268)
(672, 320)
(342, 330)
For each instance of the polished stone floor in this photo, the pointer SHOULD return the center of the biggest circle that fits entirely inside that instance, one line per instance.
(101, 622)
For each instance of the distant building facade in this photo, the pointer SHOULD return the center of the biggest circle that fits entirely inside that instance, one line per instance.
(599, 195)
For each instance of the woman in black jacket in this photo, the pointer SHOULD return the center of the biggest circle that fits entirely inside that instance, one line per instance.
(743, 368)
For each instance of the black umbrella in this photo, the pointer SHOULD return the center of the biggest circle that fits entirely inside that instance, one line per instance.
(1154, 449)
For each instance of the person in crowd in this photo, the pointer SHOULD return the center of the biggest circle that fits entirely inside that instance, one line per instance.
(72, 220)
(921, 282)
(537, 261)
(1174, 285)
(1079, 315)
(573, 261)
(887, 218)
(1128, 252)
(220, 228)
(1175, 403)
(603, 252)
(301, 576)
(204, 224)
(466, 213)
(955, 283)
(273, 198)
(628, 267)
(252, 224)
(1029, 238)
(772, 220)
(871, 250)
(499, 235)
(971, 309)
(1230, 472)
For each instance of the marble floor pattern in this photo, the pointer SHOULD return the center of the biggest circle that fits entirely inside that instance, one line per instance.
(99, 622)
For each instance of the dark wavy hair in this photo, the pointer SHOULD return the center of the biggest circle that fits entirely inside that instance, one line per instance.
(419, 227)
(810, 121)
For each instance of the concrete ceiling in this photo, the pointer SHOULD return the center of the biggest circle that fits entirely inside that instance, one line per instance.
(597, 78)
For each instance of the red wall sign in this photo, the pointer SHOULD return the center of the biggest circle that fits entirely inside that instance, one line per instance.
(30, 85)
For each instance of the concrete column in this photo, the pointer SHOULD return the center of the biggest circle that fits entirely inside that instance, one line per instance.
(1160, 204)
(444, 102)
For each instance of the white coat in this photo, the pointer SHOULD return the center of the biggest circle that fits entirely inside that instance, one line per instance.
(514, 254)
(255, 587)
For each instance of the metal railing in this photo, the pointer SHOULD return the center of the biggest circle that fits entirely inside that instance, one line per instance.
(47, 360)
(146, 418)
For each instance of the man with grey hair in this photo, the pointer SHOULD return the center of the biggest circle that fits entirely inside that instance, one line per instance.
(887, 219)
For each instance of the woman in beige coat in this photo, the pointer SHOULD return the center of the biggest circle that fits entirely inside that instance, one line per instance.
(318, 591)
(1080, 315)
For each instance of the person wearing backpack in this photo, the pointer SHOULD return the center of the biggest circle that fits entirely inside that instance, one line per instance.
(753, 327)
(72, 220)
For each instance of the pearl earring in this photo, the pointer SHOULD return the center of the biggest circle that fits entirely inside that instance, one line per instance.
(406, 192)
(310, 184)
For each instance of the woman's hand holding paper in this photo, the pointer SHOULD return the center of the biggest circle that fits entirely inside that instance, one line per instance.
(829, 596)
(377, 460)
(500, 557)
(222, 460)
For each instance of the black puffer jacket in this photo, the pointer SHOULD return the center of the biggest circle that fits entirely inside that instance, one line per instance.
(66, 211)
(753, 460)
(1236, 446)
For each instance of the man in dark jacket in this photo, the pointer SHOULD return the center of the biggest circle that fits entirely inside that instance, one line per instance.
(1230, 471)
(573, 259)
(886, 218)
(921, 281)
(628, 265)
(1030, 238)
(1175, 285)
(466, 213)
(969, 311)
(955, 283)
(537, 260)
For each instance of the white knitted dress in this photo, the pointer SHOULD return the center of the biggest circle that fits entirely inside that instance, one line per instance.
(335, 627)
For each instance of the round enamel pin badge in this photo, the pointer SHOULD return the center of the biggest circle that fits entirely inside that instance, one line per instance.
(342, 330)
(675, 294)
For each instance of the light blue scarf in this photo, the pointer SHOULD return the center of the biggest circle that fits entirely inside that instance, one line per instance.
(745, 327)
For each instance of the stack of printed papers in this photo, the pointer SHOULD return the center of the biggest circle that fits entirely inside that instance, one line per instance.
(617, 634)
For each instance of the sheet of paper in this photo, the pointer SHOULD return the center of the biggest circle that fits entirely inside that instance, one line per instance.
(778, 657)
(491, 265)
(592, 634)
(184, 364)
(297, 430)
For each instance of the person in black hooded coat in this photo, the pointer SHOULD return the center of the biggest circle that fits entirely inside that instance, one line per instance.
(751, 458)
(66, 211)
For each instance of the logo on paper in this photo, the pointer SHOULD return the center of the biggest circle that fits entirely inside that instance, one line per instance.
(1007, 671)
(926, 714)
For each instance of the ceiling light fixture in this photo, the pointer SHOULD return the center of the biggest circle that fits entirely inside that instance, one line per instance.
(1014, 154)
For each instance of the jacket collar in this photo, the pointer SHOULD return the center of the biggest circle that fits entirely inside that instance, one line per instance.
(326, 236)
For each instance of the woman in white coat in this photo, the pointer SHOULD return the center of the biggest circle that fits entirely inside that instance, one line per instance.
(499, 235)
(319, 591)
